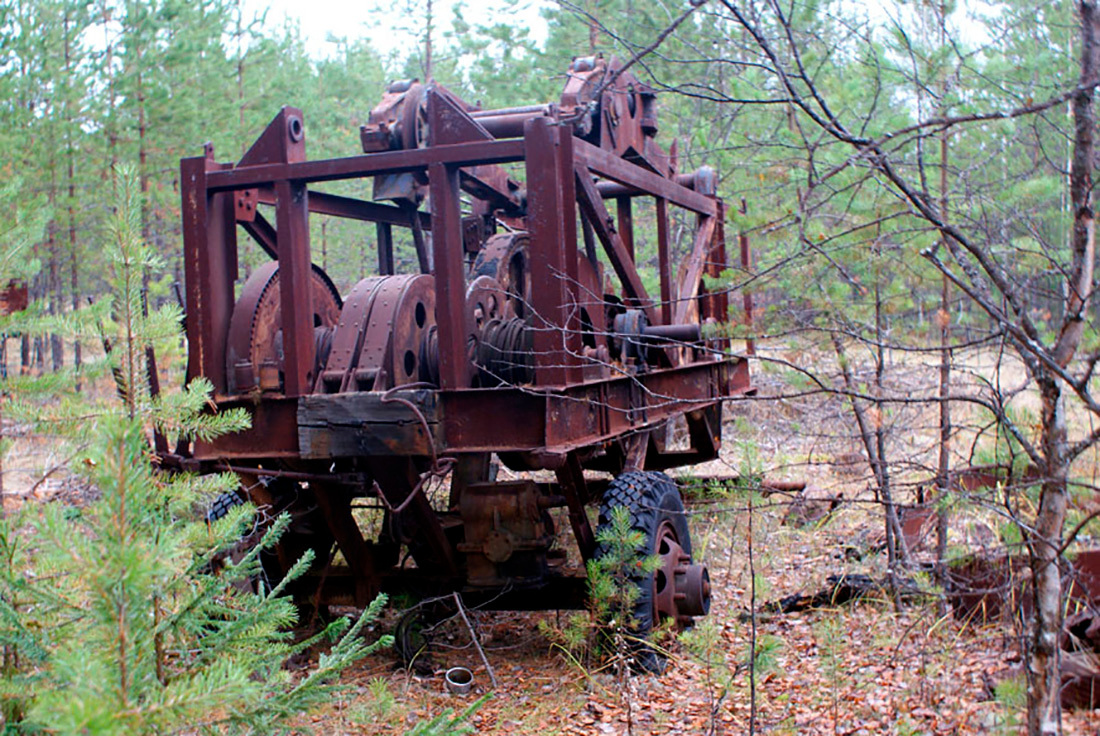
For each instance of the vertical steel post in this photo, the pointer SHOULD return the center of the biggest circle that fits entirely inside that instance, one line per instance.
(384, 231)
(718, 302)
(552, 223)
(450, 286)
(663, 263)
(625, 216)
(210, 269)
(295, 277)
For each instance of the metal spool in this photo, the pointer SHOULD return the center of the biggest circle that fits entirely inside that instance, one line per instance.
(254, 355)
(347, 341)
(486, 301)
(401, 315)
(505, 353)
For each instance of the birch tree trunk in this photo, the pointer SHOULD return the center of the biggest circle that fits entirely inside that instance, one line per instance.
(1045, 544)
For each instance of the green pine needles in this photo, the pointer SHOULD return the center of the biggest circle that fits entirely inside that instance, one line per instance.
(114, 621)
(126, 615)
(609, 626)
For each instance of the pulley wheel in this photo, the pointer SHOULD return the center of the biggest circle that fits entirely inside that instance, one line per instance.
(254, 349)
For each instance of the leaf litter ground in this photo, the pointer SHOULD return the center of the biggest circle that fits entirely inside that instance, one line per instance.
(861, 668)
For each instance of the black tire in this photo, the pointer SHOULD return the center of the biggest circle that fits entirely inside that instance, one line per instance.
(222, 504)
(651, 499)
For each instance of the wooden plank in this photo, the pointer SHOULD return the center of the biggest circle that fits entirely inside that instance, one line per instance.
(365, 407)
(361, 424)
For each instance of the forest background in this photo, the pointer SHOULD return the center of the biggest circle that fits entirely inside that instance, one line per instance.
(913, 178)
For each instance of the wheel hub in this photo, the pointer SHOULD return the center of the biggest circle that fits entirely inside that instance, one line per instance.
(681, 589)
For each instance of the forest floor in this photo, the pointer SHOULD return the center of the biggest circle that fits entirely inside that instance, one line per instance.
(867, 667)
(862, 668)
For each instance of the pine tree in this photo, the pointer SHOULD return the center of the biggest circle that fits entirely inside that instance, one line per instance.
(124, 615)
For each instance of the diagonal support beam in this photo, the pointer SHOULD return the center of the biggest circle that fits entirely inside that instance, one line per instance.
(263, 232)
(687, 304)
(591, 203)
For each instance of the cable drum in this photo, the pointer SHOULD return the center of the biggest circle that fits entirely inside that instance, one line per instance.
(505, 353)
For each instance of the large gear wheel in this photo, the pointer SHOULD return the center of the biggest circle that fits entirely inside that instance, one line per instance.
(504, 258)
(253, 356)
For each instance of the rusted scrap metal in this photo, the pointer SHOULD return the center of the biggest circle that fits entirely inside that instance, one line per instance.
(14, 297)
(1080, 644)
(810, 504)
(530, 344)
(986, 588)
(1008, 593)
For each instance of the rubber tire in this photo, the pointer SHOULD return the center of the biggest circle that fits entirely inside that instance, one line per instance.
(651, 498)
(222, 504)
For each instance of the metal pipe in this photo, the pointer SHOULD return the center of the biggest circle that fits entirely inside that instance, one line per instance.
(676, 333)
(545, 109)
(613, 189)
(291, 475)
(507, 126)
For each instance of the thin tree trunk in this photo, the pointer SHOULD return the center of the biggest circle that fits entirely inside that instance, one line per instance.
(1043, 664)
(943, 468)
(1045, 544)
(428, 29)
(898, 551)
(53, 283)
(74, 279)
(593, 28)
(873, 446)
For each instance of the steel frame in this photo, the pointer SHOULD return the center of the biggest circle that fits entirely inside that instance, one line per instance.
(566, 419)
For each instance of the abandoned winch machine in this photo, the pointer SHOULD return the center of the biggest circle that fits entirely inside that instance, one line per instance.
(526, 337)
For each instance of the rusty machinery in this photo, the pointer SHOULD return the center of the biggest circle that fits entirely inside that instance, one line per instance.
(526, 332)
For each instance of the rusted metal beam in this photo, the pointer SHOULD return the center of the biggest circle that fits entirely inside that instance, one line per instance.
(551, 222)
(450, 291)
(384, 232)
(571, 478)
(370, 164)
(210, 269)
(586, 414)
(273, 432)
(614, 190)
(610, 166)
(263, 232)
(295, 296)
(664, 264)
(625, 216)
(593, 208)
(322, 203)
(691, 274)
(335, 505)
